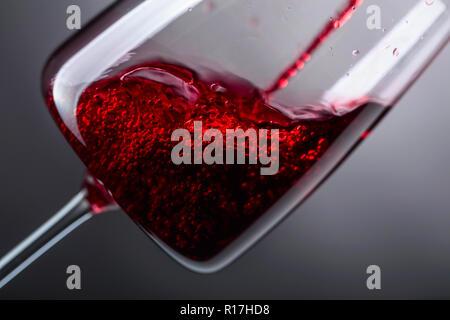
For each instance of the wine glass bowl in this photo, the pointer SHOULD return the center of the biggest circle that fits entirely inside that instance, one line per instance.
(119, 96)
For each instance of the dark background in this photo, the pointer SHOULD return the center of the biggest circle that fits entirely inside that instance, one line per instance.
(389, 204)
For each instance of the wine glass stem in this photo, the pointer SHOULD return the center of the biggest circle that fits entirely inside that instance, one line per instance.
(72, 215)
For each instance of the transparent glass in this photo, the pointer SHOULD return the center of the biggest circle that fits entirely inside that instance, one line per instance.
(308, 60)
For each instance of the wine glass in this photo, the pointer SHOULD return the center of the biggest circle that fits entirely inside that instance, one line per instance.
(317, 76)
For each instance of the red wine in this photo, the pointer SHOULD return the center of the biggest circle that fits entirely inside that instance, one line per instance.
(122, 130)
(291, 71)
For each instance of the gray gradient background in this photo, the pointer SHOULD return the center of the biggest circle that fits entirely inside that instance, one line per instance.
(388, 204)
